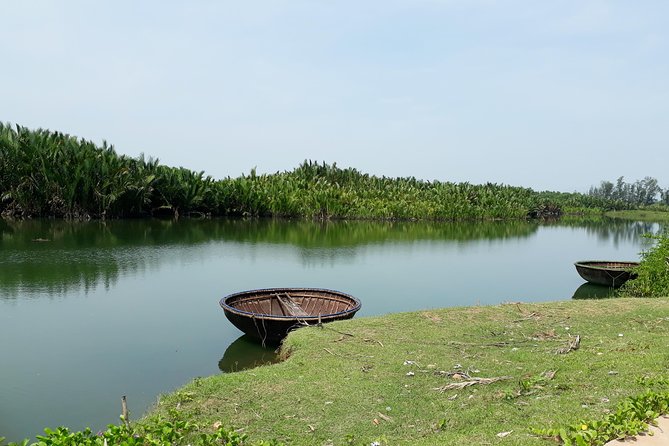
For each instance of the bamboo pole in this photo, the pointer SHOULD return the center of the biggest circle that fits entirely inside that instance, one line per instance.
(124, 412)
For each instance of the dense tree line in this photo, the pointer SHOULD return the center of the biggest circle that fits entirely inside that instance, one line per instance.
(45, 173)
(640, 193)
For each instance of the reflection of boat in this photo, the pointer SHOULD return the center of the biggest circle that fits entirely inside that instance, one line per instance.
(589, 290)
(245, 353)
(602, 272)
(269, 314)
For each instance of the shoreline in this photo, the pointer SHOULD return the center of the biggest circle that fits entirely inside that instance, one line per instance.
(399, 367)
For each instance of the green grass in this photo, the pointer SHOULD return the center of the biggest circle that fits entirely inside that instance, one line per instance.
(641, 215)
(380, 380)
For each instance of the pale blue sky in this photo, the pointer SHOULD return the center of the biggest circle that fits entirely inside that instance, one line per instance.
(545, 94)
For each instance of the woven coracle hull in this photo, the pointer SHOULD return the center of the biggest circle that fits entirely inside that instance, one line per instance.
(269, 314)
(607, 273)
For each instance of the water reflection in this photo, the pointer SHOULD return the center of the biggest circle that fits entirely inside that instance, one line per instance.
(61, 257)
(77, 256)
(246, 353)
(613, 230)
(593, 291)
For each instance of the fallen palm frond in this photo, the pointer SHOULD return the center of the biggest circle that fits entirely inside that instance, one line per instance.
(548, 375)
(574, 344)
(472, 382)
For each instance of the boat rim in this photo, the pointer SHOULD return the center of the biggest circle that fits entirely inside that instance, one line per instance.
(357, 304)
(587, 264)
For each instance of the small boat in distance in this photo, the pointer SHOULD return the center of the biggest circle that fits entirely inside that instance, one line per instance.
(269, 314)
(608, 273)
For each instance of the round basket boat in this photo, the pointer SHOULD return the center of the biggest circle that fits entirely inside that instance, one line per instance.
(269, 314)
(607, 273)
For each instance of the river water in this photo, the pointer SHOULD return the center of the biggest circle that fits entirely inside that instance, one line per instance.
(93, 311)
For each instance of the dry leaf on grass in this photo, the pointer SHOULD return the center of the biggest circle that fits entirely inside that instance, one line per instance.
(549, 375)
(373, 340)
(542, 336)
(385, 417)
(431, 316)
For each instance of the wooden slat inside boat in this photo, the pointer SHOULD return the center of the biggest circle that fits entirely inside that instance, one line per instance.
(608, 273)
(269, 314)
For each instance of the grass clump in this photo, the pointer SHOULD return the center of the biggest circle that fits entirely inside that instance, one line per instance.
(480, 375)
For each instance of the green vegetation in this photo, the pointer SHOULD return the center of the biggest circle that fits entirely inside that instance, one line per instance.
(44, 173)
(498, 374)
(653, 272)
(654, 213)
(171, 431)
(631, 417)
(644, 192)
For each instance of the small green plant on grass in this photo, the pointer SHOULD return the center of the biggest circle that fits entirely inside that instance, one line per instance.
(653, 381)
(632, 417)
(175, 431)
(530, 385)
(184, 397)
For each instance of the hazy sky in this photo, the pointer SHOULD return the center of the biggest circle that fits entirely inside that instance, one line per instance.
(546, 94)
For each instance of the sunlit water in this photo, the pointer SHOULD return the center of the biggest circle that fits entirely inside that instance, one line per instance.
(131, 308)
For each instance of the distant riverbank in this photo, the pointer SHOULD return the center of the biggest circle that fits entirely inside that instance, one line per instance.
(50, 174)
(641, 215)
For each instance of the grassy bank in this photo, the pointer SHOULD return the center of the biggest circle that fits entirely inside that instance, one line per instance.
(395, 378)
(655, 214)
(511, 374)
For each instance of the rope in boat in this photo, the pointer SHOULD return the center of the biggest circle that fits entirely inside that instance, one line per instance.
(263, 335)
(614, 278)
(293, 308)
